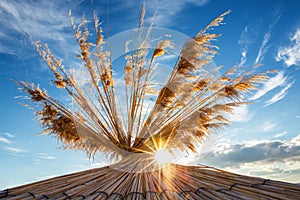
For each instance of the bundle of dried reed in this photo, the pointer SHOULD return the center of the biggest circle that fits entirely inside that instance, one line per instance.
(192, 103)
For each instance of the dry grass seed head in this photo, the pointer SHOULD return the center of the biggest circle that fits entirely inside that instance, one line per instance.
(190, 87)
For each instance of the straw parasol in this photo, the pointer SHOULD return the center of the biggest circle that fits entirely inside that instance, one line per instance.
(147, 123)
(181, 182)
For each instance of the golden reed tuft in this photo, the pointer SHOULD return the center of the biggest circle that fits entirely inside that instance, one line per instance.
(192, 103)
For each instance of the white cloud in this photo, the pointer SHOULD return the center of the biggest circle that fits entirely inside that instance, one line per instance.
(290, 54)
(245, 39)
(49, 157)
(280, 95)
(271, 84)
(44, 20)
(3, 36)
(9, 135)
(296, 139)
(45, 156)
(240, 114)
(268, 126)
(34, 17)
(243, 57)
(283, 171)
(298, 116)
(280, 134)
(14, 150)
(244, 42)
(167, 10)
(250, 34)
(263, 48)
(249, 151)
(4, 140)
(279, 159)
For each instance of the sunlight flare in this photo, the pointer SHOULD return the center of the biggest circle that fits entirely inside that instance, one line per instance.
(163, 157)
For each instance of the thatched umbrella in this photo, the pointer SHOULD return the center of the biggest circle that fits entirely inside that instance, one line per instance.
(139, 134)
(177, 182)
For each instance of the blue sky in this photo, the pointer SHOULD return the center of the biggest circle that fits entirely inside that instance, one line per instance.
(264, 139)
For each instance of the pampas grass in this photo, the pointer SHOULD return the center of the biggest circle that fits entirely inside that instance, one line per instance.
(192, 104)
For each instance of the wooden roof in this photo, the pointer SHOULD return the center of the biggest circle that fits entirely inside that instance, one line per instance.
(172, 182)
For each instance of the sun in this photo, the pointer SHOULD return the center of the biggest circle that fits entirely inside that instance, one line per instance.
(163, 156)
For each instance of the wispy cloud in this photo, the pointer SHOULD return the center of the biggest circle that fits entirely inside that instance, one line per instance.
(243, 57)
(4, 140)
(240, 114)
(247, 38)
(9, 135)
(264, 45)
(244, 42)
(250, 34)
(5, 42)
(7, 138)
(278, 135)
(166, 11)
(280, 95)
(268, 126)
(13, 150)
(271, 84)
(44, 156)
(44, 20)
(290, 54)
(34, 17)
(263, 48)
